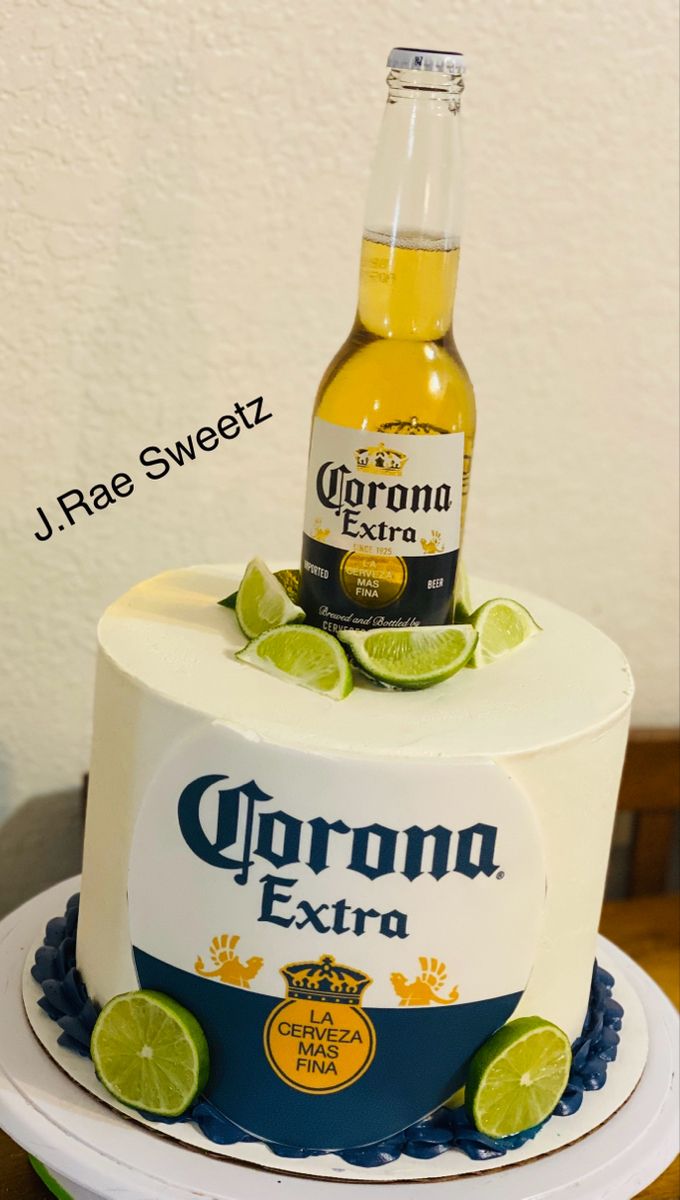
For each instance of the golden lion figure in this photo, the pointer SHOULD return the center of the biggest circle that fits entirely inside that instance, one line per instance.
(434, 546)
(423, 990)
(320, 534)
(228, 966)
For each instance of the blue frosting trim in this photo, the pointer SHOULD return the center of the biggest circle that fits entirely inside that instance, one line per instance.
(66, 1001)
(65, 997)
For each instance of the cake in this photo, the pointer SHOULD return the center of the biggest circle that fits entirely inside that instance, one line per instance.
(390, 878)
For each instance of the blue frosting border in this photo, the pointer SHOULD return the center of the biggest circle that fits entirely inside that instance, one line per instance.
(66, 1001)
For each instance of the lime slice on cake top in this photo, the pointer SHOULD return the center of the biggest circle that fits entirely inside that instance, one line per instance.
(502, 625)
(517, 1077)
(288, 576)
(416, 657)
(303, 655)
(262, 601)
(150, 1053)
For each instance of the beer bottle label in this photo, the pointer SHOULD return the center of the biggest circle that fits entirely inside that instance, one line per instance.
(382, 527)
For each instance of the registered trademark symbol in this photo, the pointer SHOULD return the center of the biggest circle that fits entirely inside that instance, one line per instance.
(500, 875)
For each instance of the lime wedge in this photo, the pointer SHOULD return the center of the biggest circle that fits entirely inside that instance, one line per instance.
(150, 1053)
(262, 601)
(416, 657)
(517, 1077)
(288, 576)
(303, 655)
(502, 625)
(462, 603)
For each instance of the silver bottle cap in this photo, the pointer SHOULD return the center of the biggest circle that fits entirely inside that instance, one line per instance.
(447, 62)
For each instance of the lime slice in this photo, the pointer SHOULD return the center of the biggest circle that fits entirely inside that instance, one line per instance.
(288, 576)
(517, 1077)
(502, 625)
(462, 604)
(150, 1053)
(412, 658)
(262, 601)
(303, 655)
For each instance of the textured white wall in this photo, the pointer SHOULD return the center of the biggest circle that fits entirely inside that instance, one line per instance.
(181, 197)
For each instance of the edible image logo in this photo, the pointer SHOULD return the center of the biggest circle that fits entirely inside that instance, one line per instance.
(423, 990)
(319, 1039)
(380, 460)
(228, 965)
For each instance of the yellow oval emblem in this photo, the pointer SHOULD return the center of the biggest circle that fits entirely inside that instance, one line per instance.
(319, 1039)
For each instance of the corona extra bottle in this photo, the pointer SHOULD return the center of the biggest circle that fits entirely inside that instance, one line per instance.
(394, 420)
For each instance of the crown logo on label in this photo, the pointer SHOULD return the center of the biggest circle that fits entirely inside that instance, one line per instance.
(325, 980)
(380, 460)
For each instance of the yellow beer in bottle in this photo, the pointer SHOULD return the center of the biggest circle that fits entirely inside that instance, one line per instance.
(394, 420)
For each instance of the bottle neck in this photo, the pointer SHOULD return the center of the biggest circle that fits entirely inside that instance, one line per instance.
(410, 252)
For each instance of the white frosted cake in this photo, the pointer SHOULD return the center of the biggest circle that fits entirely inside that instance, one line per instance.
(350, 897)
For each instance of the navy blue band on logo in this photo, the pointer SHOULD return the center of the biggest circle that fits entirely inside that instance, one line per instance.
(65, 1000)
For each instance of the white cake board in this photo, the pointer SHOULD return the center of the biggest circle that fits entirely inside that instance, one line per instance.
(97, 1155)
(622, 1078)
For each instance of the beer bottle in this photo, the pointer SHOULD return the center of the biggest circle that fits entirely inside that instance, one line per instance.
(394, 419)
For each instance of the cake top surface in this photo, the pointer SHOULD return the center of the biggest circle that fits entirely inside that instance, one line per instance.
(170, 634)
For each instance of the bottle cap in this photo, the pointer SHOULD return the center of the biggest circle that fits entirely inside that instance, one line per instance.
(405, 58)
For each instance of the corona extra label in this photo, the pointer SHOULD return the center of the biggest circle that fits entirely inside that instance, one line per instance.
(331, 951)
(389, 512)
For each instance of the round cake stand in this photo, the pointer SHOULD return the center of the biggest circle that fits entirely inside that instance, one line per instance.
(97, 1155)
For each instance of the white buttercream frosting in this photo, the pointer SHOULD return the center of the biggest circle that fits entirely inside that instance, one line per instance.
(554, 714)
(172, 636)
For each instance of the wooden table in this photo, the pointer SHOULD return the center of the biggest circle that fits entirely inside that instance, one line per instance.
(647, 929)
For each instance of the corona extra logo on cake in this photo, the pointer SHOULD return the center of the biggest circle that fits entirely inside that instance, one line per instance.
(320, 1040)
(357, 928)
(380, 460)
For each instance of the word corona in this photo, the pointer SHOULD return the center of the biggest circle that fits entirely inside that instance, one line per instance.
(339, 490)
(243, 829)
(311, 843)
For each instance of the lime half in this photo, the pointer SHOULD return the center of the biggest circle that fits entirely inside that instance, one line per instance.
(416, 657)
(288, 576)
(517, 1077)
(150, 1053)
(303, 655)
(502, 625)
(262, 601)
